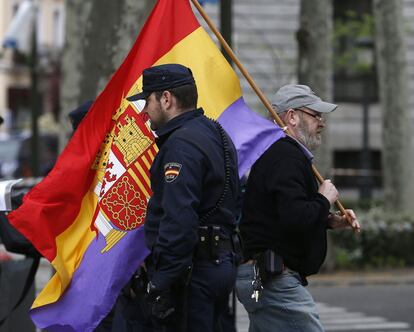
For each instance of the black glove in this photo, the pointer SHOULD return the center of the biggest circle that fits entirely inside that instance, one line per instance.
(138, 283)
(161, 305)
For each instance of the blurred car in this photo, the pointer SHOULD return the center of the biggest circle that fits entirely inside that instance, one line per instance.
(15, 155)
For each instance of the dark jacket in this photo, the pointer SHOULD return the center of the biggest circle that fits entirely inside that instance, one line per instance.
(282, 209)
(187, 179)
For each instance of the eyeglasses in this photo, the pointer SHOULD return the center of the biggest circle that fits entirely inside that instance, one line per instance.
(316, 116)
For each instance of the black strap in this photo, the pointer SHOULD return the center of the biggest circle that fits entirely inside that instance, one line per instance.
(28, 284)
(227, 169)
(226, 187)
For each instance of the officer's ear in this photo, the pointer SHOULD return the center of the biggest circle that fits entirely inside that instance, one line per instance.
(166, 99)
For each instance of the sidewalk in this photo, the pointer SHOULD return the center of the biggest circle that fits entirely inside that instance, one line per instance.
(358, 278)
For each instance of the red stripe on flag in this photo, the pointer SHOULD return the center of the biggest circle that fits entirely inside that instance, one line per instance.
(178, 16)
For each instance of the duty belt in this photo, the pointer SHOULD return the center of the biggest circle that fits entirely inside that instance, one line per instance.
(211, 243)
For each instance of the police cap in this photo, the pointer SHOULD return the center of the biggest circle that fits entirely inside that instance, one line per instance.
(163, 77)
(79, 113)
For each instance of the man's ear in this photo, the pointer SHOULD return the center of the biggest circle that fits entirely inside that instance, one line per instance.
(166, 99)
(291, 118)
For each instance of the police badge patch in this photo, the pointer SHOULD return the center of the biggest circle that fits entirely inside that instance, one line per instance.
(171, 171)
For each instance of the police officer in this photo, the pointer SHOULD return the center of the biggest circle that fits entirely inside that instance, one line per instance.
(191, 215)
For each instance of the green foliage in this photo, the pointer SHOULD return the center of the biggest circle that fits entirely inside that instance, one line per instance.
(386, 240)
(353, 35)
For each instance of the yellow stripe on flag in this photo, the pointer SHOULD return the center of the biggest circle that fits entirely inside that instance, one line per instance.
(151, 155)
(146, 161)
(143, 174)
(137, 180)
(71, 244)
(210, 70)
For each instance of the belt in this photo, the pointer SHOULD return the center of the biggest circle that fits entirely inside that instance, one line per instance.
(225, 245)
(253, 262)
(205, 251)
(303, 279)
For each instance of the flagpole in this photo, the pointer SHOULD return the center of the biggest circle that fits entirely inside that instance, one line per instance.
(256, 89)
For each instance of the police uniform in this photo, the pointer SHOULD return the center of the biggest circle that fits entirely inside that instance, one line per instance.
(191, 217)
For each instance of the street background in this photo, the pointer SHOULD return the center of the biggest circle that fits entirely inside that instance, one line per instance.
(350, 301)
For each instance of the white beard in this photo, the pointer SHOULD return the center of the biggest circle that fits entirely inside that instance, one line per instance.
(312, 142)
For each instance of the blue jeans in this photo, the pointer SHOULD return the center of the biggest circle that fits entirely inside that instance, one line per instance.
(284, 304)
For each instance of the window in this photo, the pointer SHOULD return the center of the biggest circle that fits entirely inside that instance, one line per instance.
(349, 171)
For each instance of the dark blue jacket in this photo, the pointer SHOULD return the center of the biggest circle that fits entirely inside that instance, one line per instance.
(187, 179)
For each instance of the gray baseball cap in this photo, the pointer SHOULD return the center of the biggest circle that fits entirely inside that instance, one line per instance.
(296, 96)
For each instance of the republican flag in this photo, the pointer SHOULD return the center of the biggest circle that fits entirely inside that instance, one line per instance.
(86, 216)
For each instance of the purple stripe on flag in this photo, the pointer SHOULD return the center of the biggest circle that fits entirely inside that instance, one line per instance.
(95, 285)
(251, 134)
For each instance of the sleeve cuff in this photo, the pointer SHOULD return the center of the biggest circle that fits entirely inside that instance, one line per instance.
(160, 282)
(325, 208)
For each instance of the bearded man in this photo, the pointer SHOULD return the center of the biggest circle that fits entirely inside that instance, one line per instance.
(285, 218)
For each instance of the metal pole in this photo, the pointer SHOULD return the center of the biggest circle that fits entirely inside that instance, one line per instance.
(34, 101)
(365, 180)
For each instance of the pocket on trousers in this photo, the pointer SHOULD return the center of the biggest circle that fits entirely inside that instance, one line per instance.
(244, 291)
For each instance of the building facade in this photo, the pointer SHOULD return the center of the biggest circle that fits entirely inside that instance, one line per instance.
(15, 79)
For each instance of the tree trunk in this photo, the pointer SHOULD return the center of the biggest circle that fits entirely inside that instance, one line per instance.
(99, 34)
(315, 61)
(392, 69)
(315, 69)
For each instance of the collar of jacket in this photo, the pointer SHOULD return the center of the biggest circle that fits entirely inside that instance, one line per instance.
(177, 122)
(304, 149)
